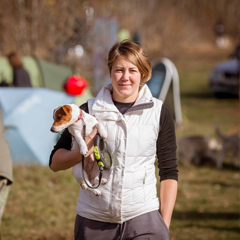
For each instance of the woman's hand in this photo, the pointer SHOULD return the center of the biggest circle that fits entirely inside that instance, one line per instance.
(168, 194)
(90, 159)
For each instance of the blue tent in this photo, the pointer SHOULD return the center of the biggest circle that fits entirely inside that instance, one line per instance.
(27, 117)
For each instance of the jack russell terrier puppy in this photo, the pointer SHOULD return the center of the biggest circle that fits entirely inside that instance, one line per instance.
(72, 117)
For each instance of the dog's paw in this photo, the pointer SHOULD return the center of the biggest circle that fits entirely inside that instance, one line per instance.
(103, 134)
(84, 186)
(84, 150)
(95, 181)
(102, 131)
(104, 181)
(97, 192)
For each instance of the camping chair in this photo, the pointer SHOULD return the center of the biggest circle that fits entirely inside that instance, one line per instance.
(164, 85)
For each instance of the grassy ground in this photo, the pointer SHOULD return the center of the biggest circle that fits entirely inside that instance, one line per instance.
(41, 204)
(207, 206)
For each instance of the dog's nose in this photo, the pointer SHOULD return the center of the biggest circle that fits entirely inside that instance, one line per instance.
(51, 129)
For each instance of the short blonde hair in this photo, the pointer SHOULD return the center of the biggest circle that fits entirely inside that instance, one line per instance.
(135, 54)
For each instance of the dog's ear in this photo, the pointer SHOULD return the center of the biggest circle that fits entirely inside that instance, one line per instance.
(54, 111)
(66, 109)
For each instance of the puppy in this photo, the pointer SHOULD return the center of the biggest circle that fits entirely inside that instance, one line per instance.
(230, 148)
(197, 150)
(72, 117)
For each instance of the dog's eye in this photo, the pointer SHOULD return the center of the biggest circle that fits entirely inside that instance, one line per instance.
(58, 118)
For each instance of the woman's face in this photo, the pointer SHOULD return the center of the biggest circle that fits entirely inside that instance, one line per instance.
(126, 80)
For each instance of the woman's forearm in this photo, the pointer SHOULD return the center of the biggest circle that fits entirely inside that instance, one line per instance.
(168, 194)
(64, 159)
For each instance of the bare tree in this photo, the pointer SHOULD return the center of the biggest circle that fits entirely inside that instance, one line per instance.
(40, 27)
(22, 27)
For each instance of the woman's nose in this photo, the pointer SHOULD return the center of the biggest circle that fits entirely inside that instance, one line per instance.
(125, 75)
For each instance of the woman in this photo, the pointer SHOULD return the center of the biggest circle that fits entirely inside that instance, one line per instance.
(139, 128)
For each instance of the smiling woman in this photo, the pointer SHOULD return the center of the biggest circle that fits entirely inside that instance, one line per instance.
(133, 53)
(128, 206)
(129, 69)
(126, 80)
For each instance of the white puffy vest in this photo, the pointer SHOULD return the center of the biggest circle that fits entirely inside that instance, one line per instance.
(132, 139)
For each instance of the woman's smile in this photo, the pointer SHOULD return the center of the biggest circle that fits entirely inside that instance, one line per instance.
(124, 84)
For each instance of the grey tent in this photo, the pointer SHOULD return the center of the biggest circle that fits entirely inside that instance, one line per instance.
(164, 85)
(42, 73)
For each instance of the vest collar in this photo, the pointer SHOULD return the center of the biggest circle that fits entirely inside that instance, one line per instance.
(103, 102)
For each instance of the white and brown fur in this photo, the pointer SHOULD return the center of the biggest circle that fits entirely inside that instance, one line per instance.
(72, 117)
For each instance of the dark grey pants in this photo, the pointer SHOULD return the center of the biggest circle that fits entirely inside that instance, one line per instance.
(149, 226)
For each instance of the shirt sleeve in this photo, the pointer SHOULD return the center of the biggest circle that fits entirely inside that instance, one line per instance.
(65, 140)
(166, 147)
